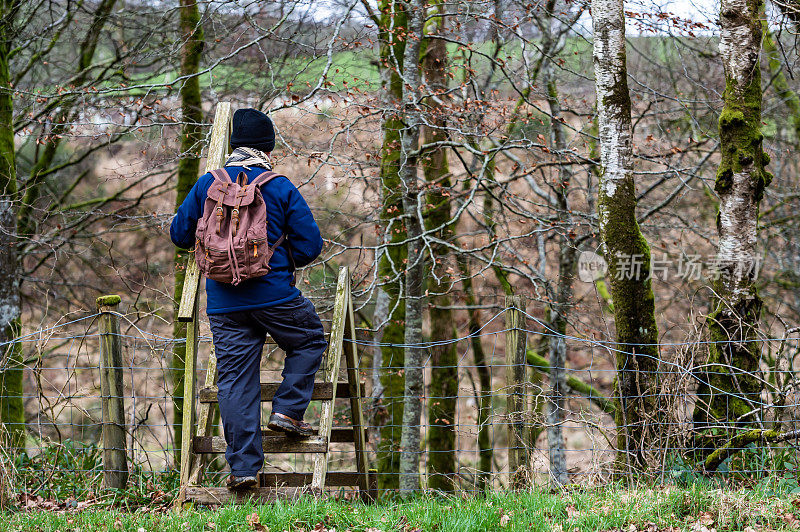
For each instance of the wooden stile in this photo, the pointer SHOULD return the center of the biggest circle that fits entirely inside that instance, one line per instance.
(198, 442)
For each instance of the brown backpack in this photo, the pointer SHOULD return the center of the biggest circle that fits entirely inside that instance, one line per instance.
(232, 233)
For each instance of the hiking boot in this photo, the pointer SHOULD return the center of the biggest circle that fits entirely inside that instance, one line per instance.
(241, 483)
(283, 423)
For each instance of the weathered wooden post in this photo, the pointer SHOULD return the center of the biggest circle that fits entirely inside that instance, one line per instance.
(516, 410)
(188, 312)
(115, 455)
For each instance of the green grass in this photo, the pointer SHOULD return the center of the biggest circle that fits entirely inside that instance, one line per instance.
(603, 509)
(350, 68)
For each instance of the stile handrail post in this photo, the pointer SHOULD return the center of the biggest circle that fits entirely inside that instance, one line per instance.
(188, 311)
(516, 410)
(115, 454)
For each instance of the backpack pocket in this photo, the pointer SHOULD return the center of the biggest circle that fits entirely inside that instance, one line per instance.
(258, 255)
(215, 264)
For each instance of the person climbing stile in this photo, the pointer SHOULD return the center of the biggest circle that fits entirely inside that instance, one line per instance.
(248, 245)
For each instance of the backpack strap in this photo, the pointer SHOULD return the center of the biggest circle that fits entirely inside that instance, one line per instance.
(283, 240)
(224, 179)
(220, 175)
(264, 178)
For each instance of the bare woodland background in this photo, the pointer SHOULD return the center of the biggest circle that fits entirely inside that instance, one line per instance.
(454, 154)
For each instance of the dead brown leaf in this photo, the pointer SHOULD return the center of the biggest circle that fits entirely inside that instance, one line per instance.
(255, 523)
(790, 519)
(705, 518)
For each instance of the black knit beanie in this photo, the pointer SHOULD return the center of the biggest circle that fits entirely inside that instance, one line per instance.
(252, 129)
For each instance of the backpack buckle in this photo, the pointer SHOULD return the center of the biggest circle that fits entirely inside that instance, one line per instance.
(220, 212)
(235, 212)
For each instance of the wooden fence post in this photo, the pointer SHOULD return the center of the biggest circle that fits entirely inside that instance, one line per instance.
(115, 455)
(516, 410)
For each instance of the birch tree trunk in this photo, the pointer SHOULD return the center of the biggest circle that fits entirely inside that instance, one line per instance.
(414, 385)
(623, 244)
(188, 169)
(393, 22)
(12, 412)
(444, 360)
(731, 387)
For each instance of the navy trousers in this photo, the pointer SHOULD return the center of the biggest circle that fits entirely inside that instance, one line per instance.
(239, 341)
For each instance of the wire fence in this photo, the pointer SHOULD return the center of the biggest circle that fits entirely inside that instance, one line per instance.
(487, 430)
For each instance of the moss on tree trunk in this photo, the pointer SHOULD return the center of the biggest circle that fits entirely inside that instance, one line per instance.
(12, 411)
(780, 83)
(391, 267)
(730, 385)
(624, 246)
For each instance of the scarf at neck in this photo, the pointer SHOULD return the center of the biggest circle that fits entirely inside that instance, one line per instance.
(248, 157)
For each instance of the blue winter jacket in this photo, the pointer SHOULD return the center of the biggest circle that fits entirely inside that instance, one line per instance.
(287, 212)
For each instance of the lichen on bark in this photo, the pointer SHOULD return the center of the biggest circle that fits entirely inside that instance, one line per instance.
(730, 386)
(637, 353)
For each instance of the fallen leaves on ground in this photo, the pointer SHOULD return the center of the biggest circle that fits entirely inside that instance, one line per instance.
(790, 519)
(647, 527)
(255, 523)
(159, 502)
(27, 502)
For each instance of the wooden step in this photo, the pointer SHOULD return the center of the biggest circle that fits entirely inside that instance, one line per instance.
(210, 443)
(323, 391)
(272, 443)
(218, 495)
(296, 480)
(281, 486)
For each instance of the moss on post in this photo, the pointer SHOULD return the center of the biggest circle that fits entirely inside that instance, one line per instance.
(108, 301)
